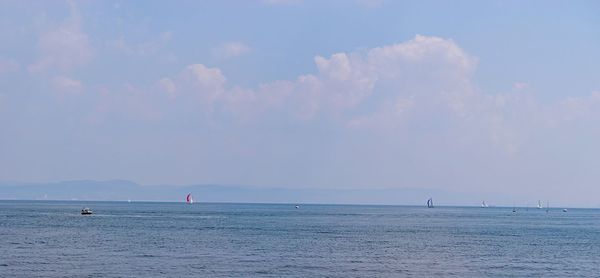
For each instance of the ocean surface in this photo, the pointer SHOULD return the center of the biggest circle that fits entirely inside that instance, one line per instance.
(144, 239)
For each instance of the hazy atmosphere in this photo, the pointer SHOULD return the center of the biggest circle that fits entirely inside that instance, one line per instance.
(494, 100)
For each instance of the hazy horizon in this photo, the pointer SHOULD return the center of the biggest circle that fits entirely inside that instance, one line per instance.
(124, 190)
(493, 100)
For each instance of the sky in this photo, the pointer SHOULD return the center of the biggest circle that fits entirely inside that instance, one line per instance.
(486, 97)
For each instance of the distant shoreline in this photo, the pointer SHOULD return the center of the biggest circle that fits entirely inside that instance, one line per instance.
(292, 204)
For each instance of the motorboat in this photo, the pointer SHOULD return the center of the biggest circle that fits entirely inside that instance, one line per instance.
(86, 211)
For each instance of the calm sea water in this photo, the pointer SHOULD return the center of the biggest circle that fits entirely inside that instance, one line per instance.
(51, 239)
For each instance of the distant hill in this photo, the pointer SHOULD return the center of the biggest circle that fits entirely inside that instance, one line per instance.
(115, 190)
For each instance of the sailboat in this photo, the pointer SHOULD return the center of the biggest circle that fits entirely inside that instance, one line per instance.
(189, 199)
(430, 203)
(547, 206)
(539, 205)
(483, 204)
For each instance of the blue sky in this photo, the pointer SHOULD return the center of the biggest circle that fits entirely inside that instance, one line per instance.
(490, 97)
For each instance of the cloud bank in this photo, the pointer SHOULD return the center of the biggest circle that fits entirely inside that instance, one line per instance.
(408, 114)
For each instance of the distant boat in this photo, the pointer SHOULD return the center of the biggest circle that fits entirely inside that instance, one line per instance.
(430, 203)
(564, 210)
(514, 209)
(86, 211)
(483, 204)
(539, 205)
(297, 206)
(189, 199)
(547, 206)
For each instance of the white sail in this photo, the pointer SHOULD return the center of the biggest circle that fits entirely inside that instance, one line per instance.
(189, 199)
(539, 205)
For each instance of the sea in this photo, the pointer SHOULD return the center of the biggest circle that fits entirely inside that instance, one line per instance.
(159, 239)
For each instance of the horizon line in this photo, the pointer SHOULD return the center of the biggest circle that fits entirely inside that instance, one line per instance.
(299, 203)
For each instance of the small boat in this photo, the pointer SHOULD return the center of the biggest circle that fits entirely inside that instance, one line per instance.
(430, 203)
(483, 204)
(539, 205)
(189, 199)
(86, 211)
(564, 210)
(297, 206)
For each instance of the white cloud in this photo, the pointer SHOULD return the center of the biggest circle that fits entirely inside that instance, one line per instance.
(394, 112)
(345, 80)
(520, 85)
(424, 83)
(337, 67)
(208, 80)
(196, 84)
(388, 112)
(64, 47)
(574, 109)
(65, 85)
(168, 86)
(231, 49)
(426, 80)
